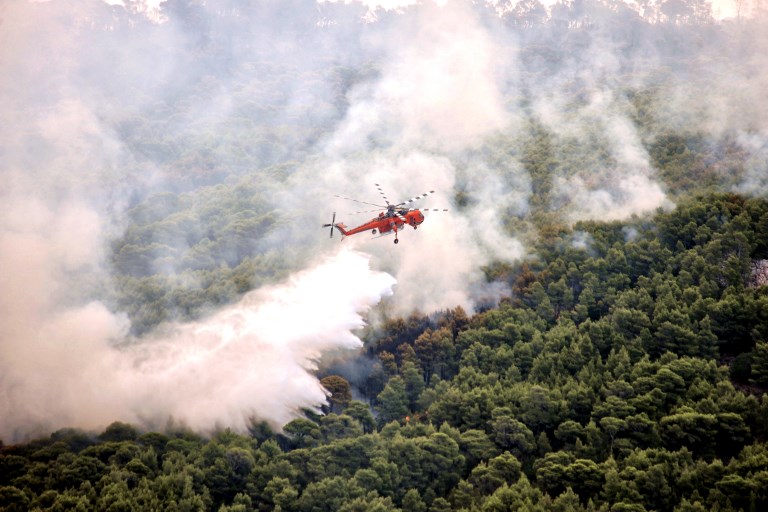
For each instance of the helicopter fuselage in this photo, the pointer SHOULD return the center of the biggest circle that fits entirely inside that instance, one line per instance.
(386, 222)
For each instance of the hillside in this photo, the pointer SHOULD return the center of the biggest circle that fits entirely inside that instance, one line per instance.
(586, 328)
(599, 386)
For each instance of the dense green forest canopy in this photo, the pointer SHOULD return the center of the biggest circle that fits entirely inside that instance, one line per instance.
(626, 365)
(600, 385)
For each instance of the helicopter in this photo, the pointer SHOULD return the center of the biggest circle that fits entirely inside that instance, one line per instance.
(393, 219)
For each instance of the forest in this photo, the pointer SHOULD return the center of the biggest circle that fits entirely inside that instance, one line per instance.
(623, 369)
(627, 376)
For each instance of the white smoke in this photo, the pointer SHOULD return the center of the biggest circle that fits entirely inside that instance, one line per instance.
(438, 96)
(54, 356)
(439, 265)
(438, 89)
(253, 359)
(428, 92)
(755, 179)
(617, 179)
(66, 359)
(618, 199)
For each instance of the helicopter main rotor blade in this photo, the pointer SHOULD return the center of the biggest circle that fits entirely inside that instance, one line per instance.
(362, 202)
(422, 196)
(364, 211)
(432, 209)
(378, 187)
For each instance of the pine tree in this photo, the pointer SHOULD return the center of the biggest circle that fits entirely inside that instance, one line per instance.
(760, 364)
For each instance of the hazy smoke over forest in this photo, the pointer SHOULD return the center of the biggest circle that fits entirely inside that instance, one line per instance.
(105, 106)
(249, 360)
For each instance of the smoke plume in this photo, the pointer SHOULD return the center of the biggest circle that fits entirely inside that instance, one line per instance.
(253, 359)
(505, 110)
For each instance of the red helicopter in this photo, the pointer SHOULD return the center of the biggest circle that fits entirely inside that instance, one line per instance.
(393, 219)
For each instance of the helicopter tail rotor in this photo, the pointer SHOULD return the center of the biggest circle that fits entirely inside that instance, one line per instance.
(332, 224)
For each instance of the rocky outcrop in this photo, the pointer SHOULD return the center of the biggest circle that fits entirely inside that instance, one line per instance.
(759, 274)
